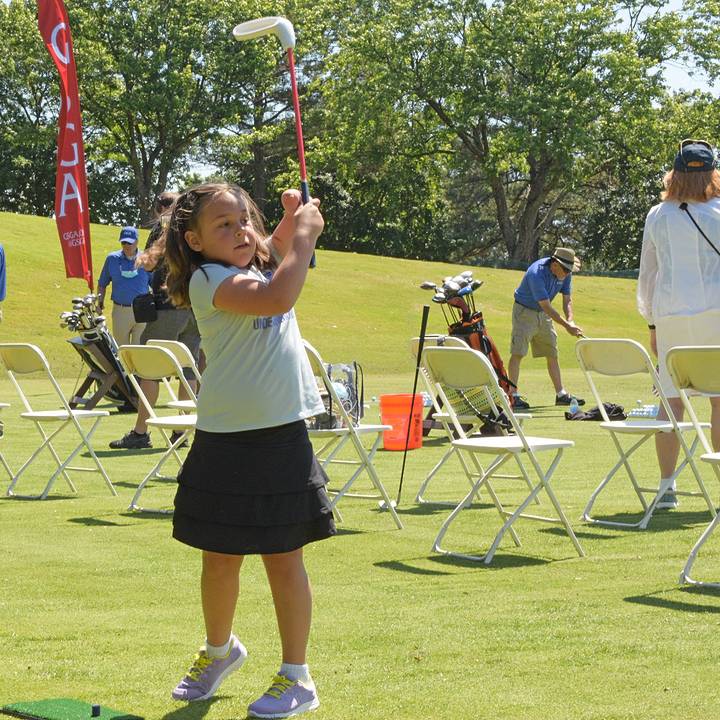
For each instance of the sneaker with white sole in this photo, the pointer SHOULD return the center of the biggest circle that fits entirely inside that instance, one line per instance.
(668, 501)
(206, 673)
(284, 698)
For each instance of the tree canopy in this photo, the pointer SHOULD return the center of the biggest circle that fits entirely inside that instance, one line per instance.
(448, 129)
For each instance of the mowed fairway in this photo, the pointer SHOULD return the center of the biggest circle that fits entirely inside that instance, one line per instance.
(103, 605)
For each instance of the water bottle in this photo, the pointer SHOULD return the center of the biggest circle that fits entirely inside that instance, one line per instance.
(574, 407)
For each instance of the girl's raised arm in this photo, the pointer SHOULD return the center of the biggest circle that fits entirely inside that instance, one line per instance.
(247, 296)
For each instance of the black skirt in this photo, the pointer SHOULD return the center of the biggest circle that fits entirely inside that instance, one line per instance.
(252, 492)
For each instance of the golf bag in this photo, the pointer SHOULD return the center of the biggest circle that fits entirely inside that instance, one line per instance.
(347, 380)
(98, 350)
(475, 334)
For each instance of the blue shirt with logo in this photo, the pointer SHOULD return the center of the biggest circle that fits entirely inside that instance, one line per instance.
(127, 281)
(539, 283)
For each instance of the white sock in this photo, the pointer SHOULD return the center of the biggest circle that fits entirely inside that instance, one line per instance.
(218, 650)
(672, 486)
(562, 392)
(295, 672)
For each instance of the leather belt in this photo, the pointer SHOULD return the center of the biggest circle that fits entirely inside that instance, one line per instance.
(526, 307)
(121, 304)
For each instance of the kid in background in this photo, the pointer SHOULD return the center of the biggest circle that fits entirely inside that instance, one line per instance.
(251, 483)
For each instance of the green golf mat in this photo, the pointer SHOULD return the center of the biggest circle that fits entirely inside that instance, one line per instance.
(62, 709)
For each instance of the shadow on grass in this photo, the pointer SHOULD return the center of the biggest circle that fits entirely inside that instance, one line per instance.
(500, 562)
(431, 508)
(193, 711)
(49, 498)
(147, 515)
(348, 531)
(653, 600)
(401, 566)
(586, 534)
(661, 521)
(125, 453)
(435, 441)
(96, 522)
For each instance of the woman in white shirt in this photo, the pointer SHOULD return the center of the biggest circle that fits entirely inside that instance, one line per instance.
(679, 283)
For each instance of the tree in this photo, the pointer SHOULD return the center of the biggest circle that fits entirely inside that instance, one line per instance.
(29, 105)
(527, 89)
(157, 79)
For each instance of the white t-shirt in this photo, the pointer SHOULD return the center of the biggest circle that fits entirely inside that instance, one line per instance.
(679, 271)
(257, 374)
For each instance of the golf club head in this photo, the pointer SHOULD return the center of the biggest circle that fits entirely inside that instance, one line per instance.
(476, 284)
(76, 300)
(466, 290)
(451, 285)
(439, 298)
(272, 25)
(467, 274)
(427, 285)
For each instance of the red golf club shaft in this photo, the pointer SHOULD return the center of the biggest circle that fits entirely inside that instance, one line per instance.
(304, 188)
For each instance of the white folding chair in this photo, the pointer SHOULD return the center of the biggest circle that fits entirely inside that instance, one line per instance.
(616, 357)
(22, 359)
(3, 462)
(467, 415)
(697, 370)
(151, 362)
(468, 372)
(186, 360)
(337, 438)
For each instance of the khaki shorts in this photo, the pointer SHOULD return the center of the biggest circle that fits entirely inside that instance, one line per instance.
(535, 328)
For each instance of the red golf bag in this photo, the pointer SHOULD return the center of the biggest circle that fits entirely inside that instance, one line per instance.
(475, 334)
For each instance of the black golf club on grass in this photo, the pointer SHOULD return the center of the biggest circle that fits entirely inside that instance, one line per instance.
(423, 329)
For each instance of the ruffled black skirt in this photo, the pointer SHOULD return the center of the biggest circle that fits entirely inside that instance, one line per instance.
(252, 492)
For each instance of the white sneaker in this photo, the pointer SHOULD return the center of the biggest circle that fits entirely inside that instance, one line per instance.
(668, 501)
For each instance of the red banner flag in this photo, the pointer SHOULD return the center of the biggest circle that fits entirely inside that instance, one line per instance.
(71, 198)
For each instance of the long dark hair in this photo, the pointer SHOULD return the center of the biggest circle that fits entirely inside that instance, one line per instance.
(181, 259)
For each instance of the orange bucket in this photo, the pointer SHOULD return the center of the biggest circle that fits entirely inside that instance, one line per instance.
(395, 411)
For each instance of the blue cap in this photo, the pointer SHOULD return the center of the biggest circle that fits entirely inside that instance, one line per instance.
(129, 234)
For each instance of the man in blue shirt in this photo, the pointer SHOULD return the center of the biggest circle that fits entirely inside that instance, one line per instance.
(128, 282)
(533, 315)
(3, 278)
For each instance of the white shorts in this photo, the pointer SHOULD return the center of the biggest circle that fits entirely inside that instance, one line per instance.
(700, 329)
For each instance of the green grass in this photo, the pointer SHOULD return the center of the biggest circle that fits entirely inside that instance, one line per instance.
(103, 605)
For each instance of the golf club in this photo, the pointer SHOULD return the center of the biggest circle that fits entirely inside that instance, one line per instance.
(283, 30)
(421, 343)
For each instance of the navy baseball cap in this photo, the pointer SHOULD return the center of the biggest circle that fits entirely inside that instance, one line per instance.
(694, 156)
(129, 234)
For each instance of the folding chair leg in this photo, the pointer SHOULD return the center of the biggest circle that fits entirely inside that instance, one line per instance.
(685, 578)
(155, 473)
(623, 461)
(452, 451)
(84, 443)
(6, 466)
(47, 442)
(483, 480)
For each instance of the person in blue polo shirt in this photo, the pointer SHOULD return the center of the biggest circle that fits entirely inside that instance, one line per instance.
(532, 320)
(128, 281)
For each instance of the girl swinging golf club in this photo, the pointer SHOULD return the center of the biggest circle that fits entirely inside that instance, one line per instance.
(250, 483)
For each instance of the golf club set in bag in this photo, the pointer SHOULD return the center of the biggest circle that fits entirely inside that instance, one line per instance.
(457, 301)
(98, 349)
